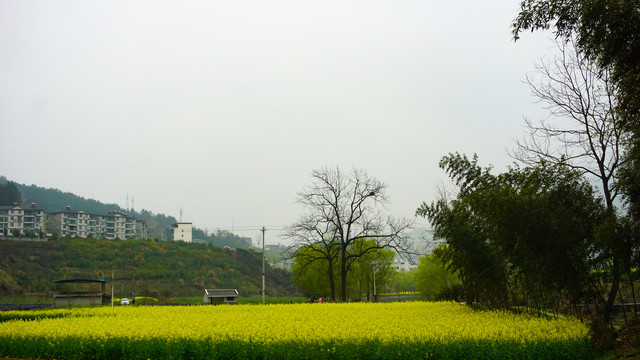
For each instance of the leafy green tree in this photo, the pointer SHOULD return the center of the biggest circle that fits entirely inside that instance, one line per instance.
(469, 251)
(312, 275)
(224, 238)
(324, 251)
(434, 281)
(362, 269)
(545, 220)
(316, 273)
(403, 281)
(531, 231)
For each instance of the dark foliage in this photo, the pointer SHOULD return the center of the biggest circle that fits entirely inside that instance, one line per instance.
(527, 237)
(9, 193)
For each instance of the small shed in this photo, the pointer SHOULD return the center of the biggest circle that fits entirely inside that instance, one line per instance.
(80, 292)
(220, 296)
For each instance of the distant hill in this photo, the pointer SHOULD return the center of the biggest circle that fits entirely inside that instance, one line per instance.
(160, 269)
(54, 200)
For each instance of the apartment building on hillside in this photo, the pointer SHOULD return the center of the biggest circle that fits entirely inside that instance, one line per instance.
(182, 231)
(21, 219)
(142, 230)
(112, 225)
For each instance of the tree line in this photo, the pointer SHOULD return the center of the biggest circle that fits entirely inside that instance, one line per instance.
(313, 274)
(9, 193)
(536, 237)
(222, 238)
(543, 236)
(559, 232)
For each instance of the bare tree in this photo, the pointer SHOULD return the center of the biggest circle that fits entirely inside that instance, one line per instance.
(340, 209)
(314, 240)
(581, 129)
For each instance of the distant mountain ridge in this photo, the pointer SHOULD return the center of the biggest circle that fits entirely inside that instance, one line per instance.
(52, 200)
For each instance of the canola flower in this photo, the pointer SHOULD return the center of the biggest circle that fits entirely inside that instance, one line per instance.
(353, 330)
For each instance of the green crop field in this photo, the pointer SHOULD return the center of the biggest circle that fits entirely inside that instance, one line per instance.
(290, 331)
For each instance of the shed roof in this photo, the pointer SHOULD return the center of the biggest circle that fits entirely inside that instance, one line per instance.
(220, 292)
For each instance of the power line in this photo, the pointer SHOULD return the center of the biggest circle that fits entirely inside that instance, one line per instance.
(243, 228)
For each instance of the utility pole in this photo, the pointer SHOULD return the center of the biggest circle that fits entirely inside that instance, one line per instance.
(375, 299)
(375, 265)
(113, 271)
(263, 273)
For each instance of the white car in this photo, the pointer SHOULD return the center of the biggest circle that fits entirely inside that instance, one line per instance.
(124, 301)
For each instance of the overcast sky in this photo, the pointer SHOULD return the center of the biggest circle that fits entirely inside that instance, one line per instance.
(223, 108)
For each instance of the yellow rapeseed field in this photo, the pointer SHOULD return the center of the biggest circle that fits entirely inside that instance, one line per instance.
(308, 330)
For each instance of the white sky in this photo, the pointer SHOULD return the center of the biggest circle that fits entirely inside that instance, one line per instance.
(224, 108)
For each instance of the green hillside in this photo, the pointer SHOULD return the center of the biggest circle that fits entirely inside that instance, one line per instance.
(159, 269)
(54, 200)
(158, 224)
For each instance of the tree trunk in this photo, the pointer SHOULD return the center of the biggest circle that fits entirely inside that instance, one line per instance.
(633, 294)
(343, 276)
(615, 281)
(332, 281)
(624, 313)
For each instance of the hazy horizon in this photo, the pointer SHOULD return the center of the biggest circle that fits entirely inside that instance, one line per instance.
(224, 109)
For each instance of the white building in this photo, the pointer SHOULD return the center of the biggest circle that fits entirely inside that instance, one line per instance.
(21, 219)
(182, 231)
(78, 223)
(401, 264)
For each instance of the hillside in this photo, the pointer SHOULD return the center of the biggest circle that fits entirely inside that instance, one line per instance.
(160, 269)
(54, 200)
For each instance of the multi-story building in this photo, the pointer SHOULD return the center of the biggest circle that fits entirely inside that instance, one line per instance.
(401, 264)
(19, 219)
(182, 231)
(142, 230)
(78, 223)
